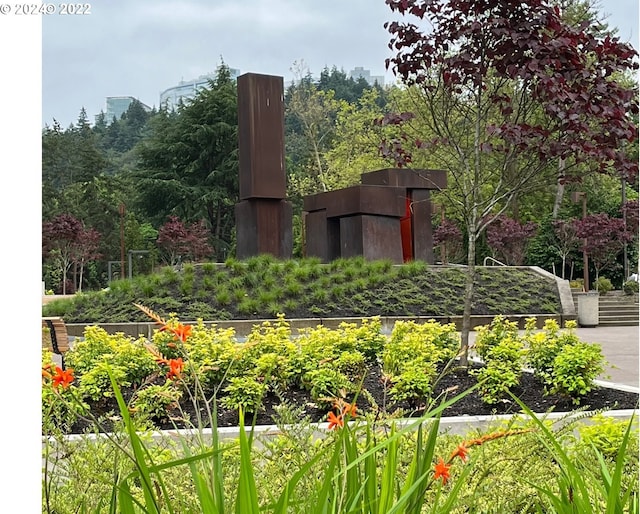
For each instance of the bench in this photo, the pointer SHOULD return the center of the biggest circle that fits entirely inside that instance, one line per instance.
(55, 337)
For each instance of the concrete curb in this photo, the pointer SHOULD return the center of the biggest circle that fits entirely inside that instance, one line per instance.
(459, 425)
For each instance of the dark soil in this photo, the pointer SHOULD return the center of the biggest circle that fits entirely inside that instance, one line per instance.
(530, 392)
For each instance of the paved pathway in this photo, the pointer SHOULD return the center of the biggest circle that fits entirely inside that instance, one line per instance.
(620, 348)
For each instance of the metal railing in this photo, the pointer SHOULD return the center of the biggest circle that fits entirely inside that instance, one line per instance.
(484, 263)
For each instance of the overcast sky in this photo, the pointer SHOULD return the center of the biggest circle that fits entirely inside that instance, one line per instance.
(140, 48)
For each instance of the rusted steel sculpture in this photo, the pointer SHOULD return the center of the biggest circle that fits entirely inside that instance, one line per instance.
(263, 216)
(388, 216)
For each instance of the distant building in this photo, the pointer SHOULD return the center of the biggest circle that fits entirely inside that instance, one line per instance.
(360, 72)
(186, 90)
(118, 105)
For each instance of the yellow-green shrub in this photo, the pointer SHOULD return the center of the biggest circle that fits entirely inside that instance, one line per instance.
(99, 349)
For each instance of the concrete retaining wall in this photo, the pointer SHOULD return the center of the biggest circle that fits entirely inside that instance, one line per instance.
(244, 327)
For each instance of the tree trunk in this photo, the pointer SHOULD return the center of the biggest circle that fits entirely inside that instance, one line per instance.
(559, 191)
(64, 277)
(79, 289)
(468, 298)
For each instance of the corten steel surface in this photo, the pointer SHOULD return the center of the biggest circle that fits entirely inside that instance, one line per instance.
(261, 136)
(264, 226)
(422, 229)
(411, 179)
(322, 236)
(360, 199)
(373, 237)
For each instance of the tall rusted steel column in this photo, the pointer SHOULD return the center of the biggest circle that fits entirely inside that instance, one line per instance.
(263, 216)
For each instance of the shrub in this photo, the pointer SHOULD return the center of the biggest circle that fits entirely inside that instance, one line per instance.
(351, 364)
(630, 287)
(414, 385)
(576, 368)
(503, 366)
(326, 384)
(605, 434)
(542, 347)
(212, 353)
(152, 402)
(273, 368)
(245, 393)
(490, 336)
(96, 384)
(411, 357)
(603, 285)
(118, 350)
(424, 344)
(562, 361)
(577, 284)
(367, 338)
(497, 379)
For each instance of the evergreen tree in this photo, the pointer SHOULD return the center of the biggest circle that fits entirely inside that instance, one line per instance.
(189, 163)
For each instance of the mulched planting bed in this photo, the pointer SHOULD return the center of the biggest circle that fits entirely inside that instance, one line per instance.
(530, 391)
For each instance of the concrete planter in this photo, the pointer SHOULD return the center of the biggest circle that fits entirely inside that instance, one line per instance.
(459, 425)
(588, 309)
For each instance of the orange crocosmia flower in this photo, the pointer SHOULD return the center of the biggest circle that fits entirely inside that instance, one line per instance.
(496, 435)
(441, 470)
(62, 377)
(175, 367)
(46, 372)
(344, 407)
(182, 331)
(349, 408)
(461, 451)
(335, 421)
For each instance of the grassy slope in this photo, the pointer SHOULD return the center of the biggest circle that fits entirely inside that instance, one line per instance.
(263, 286)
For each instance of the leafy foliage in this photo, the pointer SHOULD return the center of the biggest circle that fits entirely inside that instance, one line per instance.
(178, 240)
(502, 351)
(603, 238)
(508, 238)
(396, 291)
(189, 163)
(533, 90)
(576, 368)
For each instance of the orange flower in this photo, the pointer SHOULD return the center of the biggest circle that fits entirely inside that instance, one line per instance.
(182, 331)
(461, 451)
(62, 377)
(335, 421)
(175, 367)
(496, 435)
(441, 470)
(345, 408)
(46, 371)
(350, 409)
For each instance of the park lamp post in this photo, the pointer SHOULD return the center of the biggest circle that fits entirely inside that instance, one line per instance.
(576, 197)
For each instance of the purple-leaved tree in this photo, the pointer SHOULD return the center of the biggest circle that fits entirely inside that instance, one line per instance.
(504, 91)
(447, 235)
(66, 242)
(603, 238)
(180, 240)
(509, 238)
